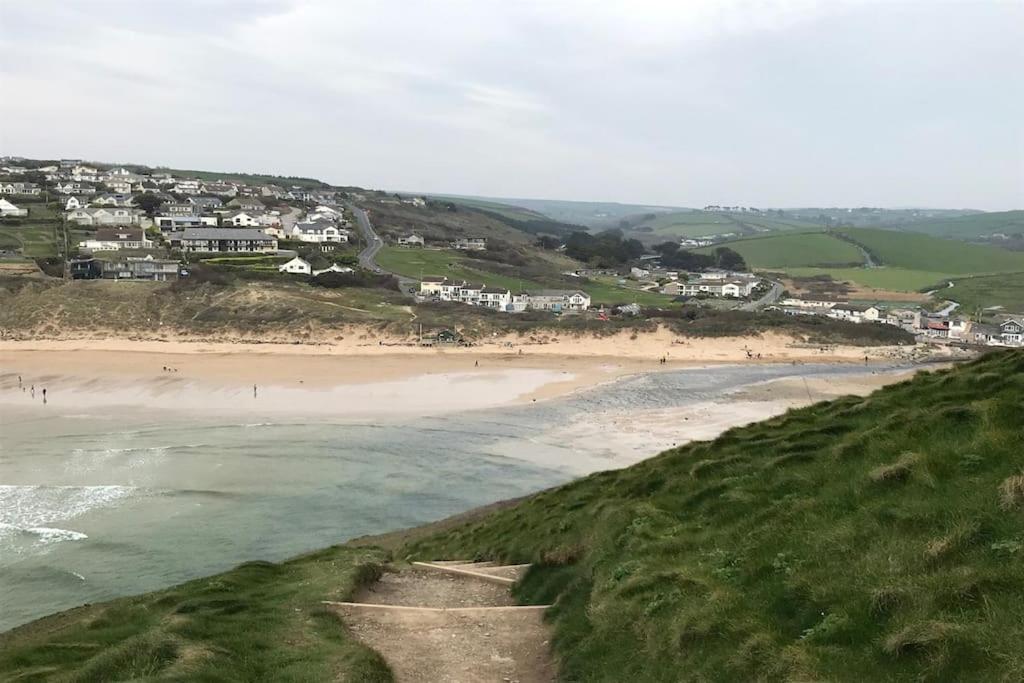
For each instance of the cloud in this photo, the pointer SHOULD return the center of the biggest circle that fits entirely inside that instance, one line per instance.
(794, 102)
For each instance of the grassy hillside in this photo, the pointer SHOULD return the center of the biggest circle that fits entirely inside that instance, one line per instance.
(974, 293)
(923, 252)
(890, 279)
(973, 226)
(260, 621)
(862, 539)
(794, 250)
(877, 538)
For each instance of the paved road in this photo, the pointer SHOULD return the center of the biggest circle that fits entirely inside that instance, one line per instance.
(770, 297)
(368, 256)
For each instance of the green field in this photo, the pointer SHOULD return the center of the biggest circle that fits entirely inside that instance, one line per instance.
(893, 279)
(976, 293)
(35, 239)
(860, 539)
(418, 263)
(975, 225)
(922, 252)
(793, 250)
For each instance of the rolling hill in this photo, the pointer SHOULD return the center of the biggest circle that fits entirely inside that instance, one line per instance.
(972, 226)
(794, 250)
(923, 252)
(875, 538)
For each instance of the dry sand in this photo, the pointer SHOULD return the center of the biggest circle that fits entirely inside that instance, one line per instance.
(364, 375)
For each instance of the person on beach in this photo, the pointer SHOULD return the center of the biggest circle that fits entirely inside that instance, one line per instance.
(19, 382)
(476, 364)
(33, 391)
(44, 395)
(254, 391)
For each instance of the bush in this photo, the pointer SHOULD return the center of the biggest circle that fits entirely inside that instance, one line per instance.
(358, 278)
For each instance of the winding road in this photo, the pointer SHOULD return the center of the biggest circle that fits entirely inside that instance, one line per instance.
(368, 256)
(374, 243)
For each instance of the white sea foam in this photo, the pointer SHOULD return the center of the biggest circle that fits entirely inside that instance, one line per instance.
(33, 510)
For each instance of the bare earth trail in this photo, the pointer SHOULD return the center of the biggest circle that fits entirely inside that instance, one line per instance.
(452, 622)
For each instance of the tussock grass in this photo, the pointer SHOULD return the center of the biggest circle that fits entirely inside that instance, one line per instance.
(897, 471)
(1011, 492)
(260, 621)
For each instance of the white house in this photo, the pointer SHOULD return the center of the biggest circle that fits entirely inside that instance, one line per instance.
(223, 240)
(8, 209)
(186, 187)
(1011, 332)
(297, 266)
(319, 231)
(74, 202)
(241, 219)
(114, 239)
(470, 243)
(714, 285)
(120, 186)
(495, 297)
(856, 314)
(103, 215)
(558, 300)
(412, 240)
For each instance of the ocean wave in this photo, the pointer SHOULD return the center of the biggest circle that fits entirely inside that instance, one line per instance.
(39, 506)
(42, 534)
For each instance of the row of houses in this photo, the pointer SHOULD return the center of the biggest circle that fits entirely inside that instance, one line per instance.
(460, 243)
(939, 326)
(503, 299)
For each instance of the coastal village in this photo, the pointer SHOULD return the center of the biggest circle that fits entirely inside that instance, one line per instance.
(141, 224)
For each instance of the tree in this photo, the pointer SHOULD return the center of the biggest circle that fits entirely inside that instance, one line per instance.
(548, 242)
(727, 259)
(149, 203)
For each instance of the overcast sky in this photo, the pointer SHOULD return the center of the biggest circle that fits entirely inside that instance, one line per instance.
(689, 102)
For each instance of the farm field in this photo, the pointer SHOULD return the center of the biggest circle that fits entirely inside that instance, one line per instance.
(793, 250)
(1004, 291)
(915, 251)
(975, 225)
(884, 278)
(35, 239)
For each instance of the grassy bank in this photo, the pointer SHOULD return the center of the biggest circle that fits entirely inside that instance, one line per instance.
(861, 539)
(260, 621)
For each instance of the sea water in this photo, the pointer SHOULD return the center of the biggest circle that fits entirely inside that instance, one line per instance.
(105, 503)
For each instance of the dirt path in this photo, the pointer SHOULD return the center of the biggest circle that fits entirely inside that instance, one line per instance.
(431, 625)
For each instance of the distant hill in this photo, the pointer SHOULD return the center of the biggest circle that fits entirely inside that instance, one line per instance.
(973, 226)
(595, 215)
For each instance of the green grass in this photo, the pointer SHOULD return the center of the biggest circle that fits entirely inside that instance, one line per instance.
(923, 252)
(892, 279)
(36, 239)
(794, 250)
(260, 621)
(982, 292)
(877, 538)
(975, 225)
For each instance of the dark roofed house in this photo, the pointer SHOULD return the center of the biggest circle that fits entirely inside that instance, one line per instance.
(224, 240)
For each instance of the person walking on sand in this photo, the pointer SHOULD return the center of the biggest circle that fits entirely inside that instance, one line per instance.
(254, 391)
(33, 390)
(44, 395)
(476, 364)
(19, 382)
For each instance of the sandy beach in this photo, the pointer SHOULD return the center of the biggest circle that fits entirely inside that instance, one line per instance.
(503, 369)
